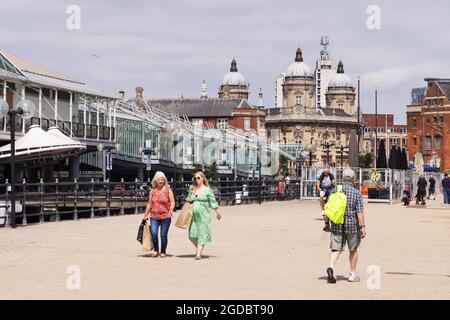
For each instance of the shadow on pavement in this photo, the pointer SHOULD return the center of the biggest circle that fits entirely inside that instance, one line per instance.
(338, 278)
(192, 256)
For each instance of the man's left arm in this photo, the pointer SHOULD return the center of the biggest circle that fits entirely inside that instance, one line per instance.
(360, 214)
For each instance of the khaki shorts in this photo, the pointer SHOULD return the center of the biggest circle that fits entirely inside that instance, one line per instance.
(353, 241)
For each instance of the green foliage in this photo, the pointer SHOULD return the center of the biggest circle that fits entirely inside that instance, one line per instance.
(366, 160)
(213, 173)
(197, 167)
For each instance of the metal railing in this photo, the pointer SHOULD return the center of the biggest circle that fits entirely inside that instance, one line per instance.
(54, 201)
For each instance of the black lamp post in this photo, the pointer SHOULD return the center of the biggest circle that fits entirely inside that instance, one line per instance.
(25, 109)
(311, 148)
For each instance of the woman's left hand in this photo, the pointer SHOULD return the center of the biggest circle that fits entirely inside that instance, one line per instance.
(219, 215)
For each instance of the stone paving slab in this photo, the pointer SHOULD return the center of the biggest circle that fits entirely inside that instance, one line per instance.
(275, 250)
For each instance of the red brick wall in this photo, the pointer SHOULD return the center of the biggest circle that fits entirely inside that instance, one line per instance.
(426, 126)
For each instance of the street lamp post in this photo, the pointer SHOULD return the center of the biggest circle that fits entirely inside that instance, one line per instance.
(25, 109)
(327, 146)
(148, 152)
(311, 148)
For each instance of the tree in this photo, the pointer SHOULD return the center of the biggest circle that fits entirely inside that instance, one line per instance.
(365, 160)
(404, 160)
(213, 174)
(392, 163)
(197, 167)
(381, 159)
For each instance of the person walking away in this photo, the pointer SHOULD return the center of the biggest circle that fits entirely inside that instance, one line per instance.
(432, 188)
(421, 190)
(203, 198)
(352, 231)
(325, 185)
(160, 207)
(446, 189)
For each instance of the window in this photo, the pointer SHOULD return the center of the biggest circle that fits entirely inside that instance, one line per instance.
(341, 106)
(404, 142)
(247, 124)
(366, 130)
(415, 141)
(437, 142)
(380, 130)
(222, 124)
(414, 123)
(403, 130)
(298, 100)
(298, 140)
(427, 142)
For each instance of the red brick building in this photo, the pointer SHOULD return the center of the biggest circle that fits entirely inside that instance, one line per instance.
(386, 129)
(429, 124)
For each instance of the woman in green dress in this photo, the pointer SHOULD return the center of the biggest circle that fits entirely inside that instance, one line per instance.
(203, 198)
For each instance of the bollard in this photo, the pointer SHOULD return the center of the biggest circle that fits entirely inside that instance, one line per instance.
(92, 199)
(75, 200)
(135, 196)
(122, 192)
(24, 215)
(108, 199)
(57, 218)
(8, 204)
(41, 200)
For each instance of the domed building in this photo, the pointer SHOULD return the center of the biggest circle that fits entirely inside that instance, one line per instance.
(298, 86)
(234, 85)
(341, 92)
(315, 107)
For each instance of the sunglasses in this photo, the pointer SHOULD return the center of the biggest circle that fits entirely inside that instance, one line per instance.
(198, 178)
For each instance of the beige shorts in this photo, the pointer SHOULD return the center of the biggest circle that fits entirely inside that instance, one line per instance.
(353, 241)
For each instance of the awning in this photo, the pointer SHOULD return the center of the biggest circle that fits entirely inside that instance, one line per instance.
(38, 144)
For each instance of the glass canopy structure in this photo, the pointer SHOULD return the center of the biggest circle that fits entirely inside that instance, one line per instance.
(173, 139)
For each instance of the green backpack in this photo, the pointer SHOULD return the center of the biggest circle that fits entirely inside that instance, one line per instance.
(336, 205)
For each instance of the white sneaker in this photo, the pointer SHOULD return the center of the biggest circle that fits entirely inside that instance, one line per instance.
(352, 277)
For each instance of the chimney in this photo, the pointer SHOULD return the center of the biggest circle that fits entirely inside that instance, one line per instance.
(204, 94)
(121, 95)
(139, 95)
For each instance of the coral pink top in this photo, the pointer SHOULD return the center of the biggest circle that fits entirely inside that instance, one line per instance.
(160, 204)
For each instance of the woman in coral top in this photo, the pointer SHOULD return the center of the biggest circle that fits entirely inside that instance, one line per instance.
(160, 207)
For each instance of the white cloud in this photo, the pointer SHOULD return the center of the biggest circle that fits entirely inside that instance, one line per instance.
(169, 47)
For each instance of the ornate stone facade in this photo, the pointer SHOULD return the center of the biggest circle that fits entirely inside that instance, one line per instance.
(331, 129)
(234, 85)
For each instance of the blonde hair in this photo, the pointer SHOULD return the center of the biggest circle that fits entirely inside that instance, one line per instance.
(158, 175)
(205, 181)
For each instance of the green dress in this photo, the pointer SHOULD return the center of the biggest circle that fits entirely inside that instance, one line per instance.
(200, 229)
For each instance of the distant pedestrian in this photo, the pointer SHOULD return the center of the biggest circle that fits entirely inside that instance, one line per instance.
(421, 190)
(325, 185)
(161, 203)
(203, 198)
(432, 188)
(446, 189)
(351, 231)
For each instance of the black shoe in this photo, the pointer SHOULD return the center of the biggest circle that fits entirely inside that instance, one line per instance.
(331, 278)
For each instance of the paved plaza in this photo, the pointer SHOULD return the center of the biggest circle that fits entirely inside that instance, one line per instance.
(275, 250)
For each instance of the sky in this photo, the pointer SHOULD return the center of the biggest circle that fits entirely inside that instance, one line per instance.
(169, 47)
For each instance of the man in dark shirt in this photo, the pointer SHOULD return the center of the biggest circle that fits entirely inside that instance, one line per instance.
(446, 189)
(421, 190)
(432, 188)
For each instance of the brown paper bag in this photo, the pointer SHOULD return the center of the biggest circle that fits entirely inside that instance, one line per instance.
(185, 217)
(147, 244)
